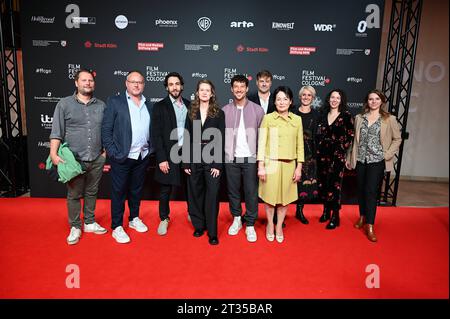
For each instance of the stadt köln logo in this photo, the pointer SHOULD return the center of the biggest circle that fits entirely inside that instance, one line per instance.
(204, 23)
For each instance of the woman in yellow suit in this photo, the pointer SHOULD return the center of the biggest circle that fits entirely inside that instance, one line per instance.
(280, 157)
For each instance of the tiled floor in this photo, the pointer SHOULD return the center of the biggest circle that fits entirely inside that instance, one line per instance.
(417, 193)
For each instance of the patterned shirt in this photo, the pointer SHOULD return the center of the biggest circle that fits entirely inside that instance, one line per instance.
(370, 149)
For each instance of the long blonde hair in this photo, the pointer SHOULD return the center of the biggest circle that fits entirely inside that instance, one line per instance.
(213, 109)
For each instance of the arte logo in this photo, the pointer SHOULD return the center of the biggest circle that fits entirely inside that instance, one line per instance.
(150, 46)
(324, 27)
(88, 44)
(283, 26)
(74, 20)
(302, 50)
(204, 23)
(43, 71)
(241, 48)
(166, 23)
(153, 74)
(242, 24)
(372, 21)
(309, 77)
(42, 19)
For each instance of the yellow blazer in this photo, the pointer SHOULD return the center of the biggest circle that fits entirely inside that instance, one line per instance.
(281, 138)
(390, 140)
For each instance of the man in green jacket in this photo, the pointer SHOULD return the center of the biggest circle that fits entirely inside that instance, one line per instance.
(77, 121)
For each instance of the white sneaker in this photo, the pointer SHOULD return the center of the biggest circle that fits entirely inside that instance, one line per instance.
(162, 228)
(251, 234)
(138, 225)
(74, 236)
(120, 235)
(94, 228)
(235, 227)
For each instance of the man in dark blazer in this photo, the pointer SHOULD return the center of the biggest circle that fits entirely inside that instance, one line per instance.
(263, 96)
(168, 123)
(127, 140)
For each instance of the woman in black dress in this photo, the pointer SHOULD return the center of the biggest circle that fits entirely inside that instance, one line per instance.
(335, 133)
(307, 186)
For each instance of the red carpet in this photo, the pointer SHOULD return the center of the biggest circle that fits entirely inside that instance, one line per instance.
(412, 255)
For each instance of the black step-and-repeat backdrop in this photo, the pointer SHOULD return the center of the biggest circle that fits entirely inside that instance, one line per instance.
(325, 44)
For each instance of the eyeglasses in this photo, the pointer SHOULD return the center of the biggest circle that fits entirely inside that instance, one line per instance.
(136, 82)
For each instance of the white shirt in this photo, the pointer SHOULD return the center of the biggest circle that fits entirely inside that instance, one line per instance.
(242, 149)
(140, 128)
(264, 103)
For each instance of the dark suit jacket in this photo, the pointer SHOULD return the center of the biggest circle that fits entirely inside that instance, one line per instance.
(254, 97)
(116, 128)
(164, 121)
(215, 143)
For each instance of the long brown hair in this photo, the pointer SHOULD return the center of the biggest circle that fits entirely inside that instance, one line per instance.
(213, 109)
(384, 114)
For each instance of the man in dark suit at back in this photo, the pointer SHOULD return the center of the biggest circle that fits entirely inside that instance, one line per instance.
(169, 119)
(126, 138)
(263, 96)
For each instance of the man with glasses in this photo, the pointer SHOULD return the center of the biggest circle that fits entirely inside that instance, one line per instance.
(126, 138)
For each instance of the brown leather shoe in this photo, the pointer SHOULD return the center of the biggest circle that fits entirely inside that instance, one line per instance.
(360, 223)
(370, 233)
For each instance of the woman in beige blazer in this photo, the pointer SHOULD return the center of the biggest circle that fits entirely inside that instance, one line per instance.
(377, 139)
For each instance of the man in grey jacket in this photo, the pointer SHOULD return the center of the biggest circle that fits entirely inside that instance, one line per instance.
(242, 120)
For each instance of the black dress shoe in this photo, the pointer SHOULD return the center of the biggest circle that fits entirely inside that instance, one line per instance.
(213, 241)
(198, 232)
(299, 214)
(334, 221)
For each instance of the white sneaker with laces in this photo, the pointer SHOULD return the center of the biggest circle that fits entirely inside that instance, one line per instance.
(251, 234)
(138, 225)
(94, 228)
(235, 226)
(162, 228)
(74, 236)
(120, 235)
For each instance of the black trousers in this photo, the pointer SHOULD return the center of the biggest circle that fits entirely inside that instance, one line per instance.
(248, 173)
(369, 177)
(127, 180)
(203, 198)
(165, 190)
